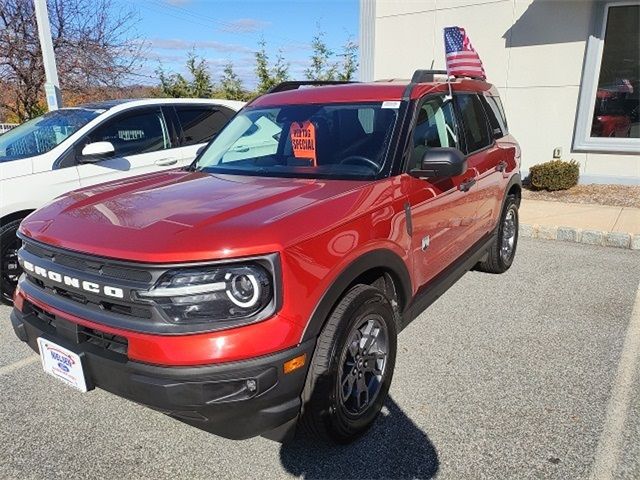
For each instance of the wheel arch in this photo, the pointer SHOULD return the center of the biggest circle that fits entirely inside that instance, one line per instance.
(382, 268)
(10, 217)
(514, 187)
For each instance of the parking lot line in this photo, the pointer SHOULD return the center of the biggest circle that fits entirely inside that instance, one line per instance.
(19, 364)
(609, 446)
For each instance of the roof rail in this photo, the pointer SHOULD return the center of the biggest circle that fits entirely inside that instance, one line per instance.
(296, 84)
(424, 76)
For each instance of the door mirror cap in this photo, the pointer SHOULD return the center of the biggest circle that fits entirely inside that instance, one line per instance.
(96, 151)
(441, 162)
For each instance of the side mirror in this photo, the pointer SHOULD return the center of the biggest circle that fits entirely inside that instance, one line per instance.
(441, 162)
(96, 151)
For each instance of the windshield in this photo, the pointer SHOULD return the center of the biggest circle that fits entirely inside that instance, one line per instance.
(43, 133)
(339, 141)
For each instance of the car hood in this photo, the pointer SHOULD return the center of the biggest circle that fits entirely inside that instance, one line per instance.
(180, 216)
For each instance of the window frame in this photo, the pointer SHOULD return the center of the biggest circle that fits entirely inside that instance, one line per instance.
(582, 139)
(460, 119)
(499, 115)
(169, 126)
(227, 112)
(410, 139)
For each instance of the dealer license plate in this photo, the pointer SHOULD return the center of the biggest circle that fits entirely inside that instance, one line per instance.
(62, 363)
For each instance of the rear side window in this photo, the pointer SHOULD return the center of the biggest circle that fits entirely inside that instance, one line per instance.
(200, 124)
(495, 114)
(134, 132)
(474, 122)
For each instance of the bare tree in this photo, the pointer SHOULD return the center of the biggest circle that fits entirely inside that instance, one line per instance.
(95, 45)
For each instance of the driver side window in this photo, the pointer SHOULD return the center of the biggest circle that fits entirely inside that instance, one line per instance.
(435, 127)
(133, 133)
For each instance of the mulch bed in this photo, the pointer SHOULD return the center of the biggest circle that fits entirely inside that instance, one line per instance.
(615, 195)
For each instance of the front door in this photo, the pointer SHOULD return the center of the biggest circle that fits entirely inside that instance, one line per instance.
(441, 214)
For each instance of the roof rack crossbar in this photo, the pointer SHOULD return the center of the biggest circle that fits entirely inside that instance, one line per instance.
(296, 84)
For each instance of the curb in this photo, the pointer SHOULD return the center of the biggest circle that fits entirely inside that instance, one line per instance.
(578, 235)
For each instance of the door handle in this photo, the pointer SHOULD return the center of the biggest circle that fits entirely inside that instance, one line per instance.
(240, 149)
(501, 167)
(165, 162)
(466, 185)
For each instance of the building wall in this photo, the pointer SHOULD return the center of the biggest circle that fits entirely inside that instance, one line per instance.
(532, 50)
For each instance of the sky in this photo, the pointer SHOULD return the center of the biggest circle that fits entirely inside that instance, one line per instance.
(227, 30)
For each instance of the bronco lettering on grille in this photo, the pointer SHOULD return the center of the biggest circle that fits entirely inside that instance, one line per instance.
(56, 277)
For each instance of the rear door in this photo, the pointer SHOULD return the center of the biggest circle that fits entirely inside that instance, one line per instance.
(142, 142)
(484, 158)
(197, 126)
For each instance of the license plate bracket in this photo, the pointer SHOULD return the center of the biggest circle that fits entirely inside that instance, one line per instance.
(62, 363)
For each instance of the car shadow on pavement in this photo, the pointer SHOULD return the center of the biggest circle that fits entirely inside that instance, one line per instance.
(394, 448)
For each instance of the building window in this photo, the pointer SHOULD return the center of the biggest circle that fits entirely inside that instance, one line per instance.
(610, 92)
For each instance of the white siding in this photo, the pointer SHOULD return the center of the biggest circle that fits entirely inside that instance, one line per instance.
(533, 51)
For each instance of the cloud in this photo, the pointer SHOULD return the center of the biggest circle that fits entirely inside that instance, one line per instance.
(244, 25)
(179, 44)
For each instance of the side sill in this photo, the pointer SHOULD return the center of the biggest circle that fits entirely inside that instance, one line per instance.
(445, 279)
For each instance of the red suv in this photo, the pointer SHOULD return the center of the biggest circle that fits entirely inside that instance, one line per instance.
(265, 285)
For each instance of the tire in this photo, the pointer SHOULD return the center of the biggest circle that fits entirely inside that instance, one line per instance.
(500, 257)
(9, 268)
(339, 367)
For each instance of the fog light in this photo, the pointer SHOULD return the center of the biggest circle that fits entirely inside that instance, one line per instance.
(252, 386)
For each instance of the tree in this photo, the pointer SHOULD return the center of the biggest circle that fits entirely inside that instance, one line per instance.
(322, 67)
(269, 76)
(176, 85)
(93, 42)
(231, 85)
(349, 62)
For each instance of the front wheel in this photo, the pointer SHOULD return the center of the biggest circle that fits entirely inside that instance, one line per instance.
(352, 367)
(9, 267)
(503, 251)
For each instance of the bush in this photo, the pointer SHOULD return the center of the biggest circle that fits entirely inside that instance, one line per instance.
(554, 175)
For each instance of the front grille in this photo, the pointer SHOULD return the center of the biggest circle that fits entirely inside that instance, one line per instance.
(104, 305)
(36, 250)
(50, 323)
(114, 343)
(42, 315)
(98, 266)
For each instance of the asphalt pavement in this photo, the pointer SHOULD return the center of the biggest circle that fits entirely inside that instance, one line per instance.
(530, 374)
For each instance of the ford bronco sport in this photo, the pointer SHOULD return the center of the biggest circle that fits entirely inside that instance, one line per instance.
(264, 286)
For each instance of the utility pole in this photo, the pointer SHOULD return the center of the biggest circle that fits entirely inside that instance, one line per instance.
(52, 85)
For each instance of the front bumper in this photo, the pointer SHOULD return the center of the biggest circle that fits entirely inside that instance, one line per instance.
(235, 400)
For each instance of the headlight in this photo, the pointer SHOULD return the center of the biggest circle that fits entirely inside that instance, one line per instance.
(212, 294)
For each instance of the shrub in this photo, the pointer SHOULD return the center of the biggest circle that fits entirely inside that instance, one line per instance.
(554, 175)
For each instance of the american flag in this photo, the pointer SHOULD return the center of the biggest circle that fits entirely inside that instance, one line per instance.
(462, 59)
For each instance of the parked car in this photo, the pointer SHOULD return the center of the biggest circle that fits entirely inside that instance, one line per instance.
(264, 286)
(94, 143)
(612, 116)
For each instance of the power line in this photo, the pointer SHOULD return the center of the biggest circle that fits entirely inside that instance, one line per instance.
(173, 10)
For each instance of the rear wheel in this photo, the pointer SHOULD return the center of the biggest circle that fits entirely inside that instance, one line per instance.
(502, 252)
(9, 267)
(352, 367)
